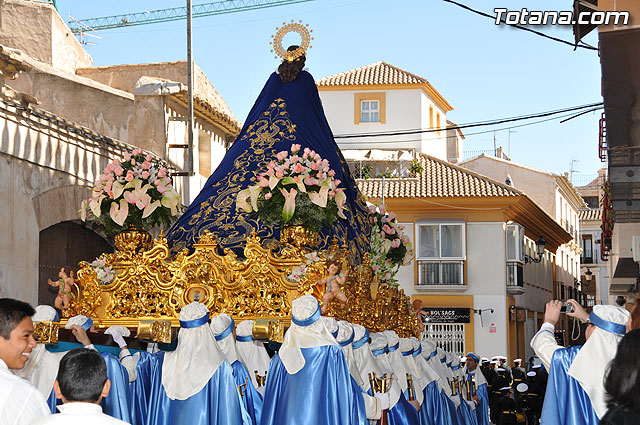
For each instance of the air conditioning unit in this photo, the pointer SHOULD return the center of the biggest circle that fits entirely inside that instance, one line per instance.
(635, 247)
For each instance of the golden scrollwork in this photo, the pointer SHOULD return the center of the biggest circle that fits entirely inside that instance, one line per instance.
(46, 332)
(151, 286)
(154, 330)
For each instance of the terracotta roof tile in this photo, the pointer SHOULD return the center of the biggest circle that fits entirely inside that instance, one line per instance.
(376, 73)
(591, 214)
(439, 179)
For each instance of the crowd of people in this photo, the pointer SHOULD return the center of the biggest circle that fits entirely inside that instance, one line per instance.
(325, 372)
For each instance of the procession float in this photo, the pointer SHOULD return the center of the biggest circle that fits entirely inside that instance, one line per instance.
(279, 218)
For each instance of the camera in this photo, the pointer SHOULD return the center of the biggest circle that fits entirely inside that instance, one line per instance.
(566, 307)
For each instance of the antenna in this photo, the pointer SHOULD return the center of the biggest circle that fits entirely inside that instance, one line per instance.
(572, 170)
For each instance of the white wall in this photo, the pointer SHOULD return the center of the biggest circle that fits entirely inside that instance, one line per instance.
(486, 259)
(405, 109)
(489, 344)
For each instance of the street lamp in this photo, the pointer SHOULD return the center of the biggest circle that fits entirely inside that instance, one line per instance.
(588, 273)
(540, 243)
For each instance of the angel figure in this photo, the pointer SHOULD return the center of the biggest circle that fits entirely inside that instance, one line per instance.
(332, 282)
(64, 284)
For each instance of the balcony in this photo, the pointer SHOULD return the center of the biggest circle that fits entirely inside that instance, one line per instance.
(438, 275)
(515, 278)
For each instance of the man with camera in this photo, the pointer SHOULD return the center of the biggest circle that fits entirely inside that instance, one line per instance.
(575, 394)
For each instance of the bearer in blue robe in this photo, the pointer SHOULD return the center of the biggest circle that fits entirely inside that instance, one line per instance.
(308, 380)
(465, 409)
(222, 327)
(398, 367)
(402, 411)
(575, 391)
(374, 405)
(192, 385)
(42, 368)
(251, 353)
(433, 410)
(481, 397)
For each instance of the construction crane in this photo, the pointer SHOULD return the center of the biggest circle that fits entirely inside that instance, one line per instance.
(80, 26)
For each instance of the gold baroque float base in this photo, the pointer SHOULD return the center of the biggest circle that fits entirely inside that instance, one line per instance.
(151, 286)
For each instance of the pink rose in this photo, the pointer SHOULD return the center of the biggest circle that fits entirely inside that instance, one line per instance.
(387, 276)
(392, 216)
(157, 182)
(331, 173)
(146, 165)
(148, 157)
(126, 156)
(279, 174)
(129, 177)
(145, 174)
(383, 211)
(268, 195)
(388, 230)
(332, 193)
(305, 155)
(285, 166)
(372, 208)
(314, 166)
(295, 148)
(270, 172)
(271, 165)
(337, 182)
(264, 183)
(298, 168)
(162, 172)
(294, 158)
(282, 155)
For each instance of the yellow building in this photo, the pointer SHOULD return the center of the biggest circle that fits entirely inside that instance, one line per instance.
(475, 243)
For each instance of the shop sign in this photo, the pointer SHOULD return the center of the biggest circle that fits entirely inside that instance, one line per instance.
(445, 315)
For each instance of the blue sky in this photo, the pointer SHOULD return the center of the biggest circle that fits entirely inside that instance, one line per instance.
(485, 71)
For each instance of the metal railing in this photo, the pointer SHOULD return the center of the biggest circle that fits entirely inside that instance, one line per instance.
(448, 336)
(440, 272)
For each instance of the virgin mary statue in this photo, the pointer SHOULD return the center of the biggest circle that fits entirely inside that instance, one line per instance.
(288, 111)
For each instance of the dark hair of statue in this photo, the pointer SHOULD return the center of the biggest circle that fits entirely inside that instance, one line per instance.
(82, 375)
(289, 71)
(12, 312)
(622, 380)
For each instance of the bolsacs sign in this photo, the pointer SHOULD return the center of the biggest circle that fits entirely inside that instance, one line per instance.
(445, 315)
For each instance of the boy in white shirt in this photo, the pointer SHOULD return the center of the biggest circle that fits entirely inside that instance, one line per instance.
(20, 402)
(82, 383)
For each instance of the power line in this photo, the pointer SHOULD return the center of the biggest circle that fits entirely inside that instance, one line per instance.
(395, 142)
(541, 34)
(472, 124)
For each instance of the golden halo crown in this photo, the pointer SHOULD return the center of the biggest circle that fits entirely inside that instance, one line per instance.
(305, 40)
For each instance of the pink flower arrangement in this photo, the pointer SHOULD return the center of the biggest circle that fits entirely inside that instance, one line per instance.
(136, 191)
(390, 246)
(295, 189)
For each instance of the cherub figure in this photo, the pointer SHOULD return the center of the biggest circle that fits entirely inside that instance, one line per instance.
(417, 310)
(64, 284)
(332, 282)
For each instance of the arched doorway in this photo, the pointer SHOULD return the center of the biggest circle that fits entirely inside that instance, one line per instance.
(65, 244)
